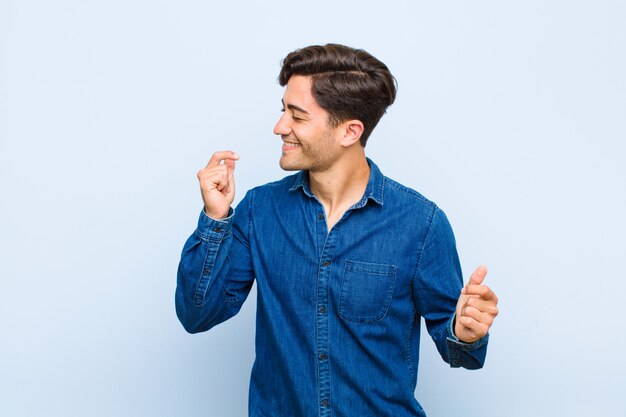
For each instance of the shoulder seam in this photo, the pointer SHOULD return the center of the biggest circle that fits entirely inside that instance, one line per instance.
(409, 191)
(423, 245)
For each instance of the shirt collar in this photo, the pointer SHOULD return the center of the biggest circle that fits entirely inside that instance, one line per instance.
(373, 191)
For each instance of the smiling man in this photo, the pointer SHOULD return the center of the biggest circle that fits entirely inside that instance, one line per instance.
(346, 260)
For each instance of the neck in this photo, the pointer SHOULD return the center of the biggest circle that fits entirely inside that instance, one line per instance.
(341, 186)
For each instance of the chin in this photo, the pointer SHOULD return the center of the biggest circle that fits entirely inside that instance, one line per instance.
(289, 166)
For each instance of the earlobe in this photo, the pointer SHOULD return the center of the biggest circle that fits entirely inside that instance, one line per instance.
(353, 132)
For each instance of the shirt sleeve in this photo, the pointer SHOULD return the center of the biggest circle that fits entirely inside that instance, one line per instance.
(437, 285)
(215, 272)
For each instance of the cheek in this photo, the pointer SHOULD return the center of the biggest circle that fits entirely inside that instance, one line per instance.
(305, 135)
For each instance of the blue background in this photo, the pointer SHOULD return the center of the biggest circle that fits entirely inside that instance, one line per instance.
(510, 115)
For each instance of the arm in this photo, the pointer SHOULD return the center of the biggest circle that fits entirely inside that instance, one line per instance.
(437, 284)
(215, 272)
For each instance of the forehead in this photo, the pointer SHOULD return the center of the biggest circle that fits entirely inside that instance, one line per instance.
(298, 93)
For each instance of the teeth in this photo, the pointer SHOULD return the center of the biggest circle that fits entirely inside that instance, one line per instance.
(291, 144)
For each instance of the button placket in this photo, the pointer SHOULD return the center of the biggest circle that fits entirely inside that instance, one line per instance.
(322, 339)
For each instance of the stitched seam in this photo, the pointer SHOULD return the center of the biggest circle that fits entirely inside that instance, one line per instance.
(406, 190)
(249, 231)
(421, 249)
(199, 294)
(409, 363)
(381, 189)
(202, 236)
(346, 315)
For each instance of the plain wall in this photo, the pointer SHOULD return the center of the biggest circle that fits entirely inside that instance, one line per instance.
(510, 115)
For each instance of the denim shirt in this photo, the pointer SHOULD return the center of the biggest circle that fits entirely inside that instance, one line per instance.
(338, 313)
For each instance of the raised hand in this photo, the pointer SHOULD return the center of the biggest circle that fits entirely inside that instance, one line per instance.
(217, 183)
(476, 308)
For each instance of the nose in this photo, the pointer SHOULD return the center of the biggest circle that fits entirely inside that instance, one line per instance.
(282, 127)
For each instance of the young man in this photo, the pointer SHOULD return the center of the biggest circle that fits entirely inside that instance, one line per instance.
(346, 260)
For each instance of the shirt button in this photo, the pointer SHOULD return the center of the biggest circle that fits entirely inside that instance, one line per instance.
(320, 216)
(322, 309)
(324, 403)
(206, 271)
(325, 263)
(217, 229)
(323, 356)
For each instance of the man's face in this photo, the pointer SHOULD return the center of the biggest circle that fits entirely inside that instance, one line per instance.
(309, 141)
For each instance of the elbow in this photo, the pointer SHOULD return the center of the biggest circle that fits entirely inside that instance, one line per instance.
(189, 325)
(192, 322)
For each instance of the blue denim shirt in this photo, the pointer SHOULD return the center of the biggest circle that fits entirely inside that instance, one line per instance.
(338, 313)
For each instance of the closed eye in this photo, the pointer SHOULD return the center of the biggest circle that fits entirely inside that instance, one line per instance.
(297, 119)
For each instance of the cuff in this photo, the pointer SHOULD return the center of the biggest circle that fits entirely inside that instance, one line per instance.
(466, 355)
(213, 230)
(459, 344)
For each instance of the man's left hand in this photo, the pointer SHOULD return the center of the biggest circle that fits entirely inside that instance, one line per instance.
(476, 308)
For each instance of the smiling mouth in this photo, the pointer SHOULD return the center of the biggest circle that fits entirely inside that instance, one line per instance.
(290, 145)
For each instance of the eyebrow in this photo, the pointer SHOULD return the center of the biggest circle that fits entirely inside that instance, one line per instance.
(294, 107)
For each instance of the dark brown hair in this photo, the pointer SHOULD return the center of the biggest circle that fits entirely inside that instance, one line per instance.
(348, 83)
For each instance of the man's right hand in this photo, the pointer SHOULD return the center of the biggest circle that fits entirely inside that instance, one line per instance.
(217, 183)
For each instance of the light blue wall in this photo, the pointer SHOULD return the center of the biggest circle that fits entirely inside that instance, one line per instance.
(510, 114)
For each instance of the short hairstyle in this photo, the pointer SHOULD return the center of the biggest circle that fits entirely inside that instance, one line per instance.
(348, 83)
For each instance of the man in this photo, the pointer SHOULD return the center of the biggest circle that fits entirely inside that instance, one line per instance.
(346, 260)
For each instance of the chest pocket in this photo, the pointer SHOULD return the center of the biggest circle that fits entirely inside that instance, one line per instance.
(366, 291)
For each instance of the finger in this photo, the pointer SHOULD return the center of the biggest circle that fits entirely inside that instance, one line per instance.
(220, 181)
(477, 315)
(477, 328)
(206, 173)
(485, 307)
(217, 157)
(214, 178)
(482, 291)
(479, 275)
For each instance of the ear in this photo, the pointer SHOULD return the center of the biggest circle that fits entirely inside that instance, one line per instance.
(352, 131)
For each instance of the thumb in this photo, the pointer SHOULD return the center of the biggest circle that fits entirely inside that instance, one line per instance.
(478, 276)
